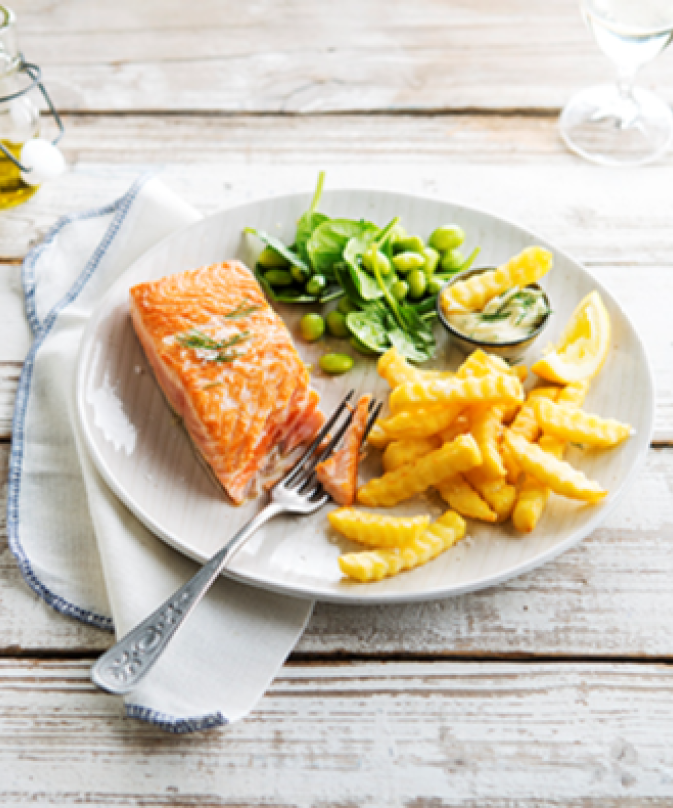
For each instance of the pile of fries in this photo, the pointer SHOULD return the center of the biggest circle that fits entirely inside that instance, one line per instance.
(491, 451)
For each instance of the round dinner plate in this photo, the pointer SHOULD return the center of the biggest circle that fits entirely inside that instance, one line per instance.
(148, 461)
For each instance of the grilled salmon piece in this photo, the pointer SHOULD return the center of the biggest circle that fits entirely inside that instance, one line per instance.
(339, 473)
(226, 363)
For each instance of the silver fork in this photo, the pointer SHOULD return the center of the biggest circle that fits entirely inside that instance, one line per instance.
(120, 669)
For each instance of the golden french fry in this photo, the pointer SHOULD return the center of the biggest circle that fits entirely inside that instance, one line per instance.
(576, 426)
(377, 530)
(460, 496)
(573, 394)
(495, 389)
(526, 425)
(557, 475)
(459, 427)
(497, 493)
(421, 422)
(402, 452)
(395, 369)
(377, 564)
(407, 481)
(378, 437)
(486, 427)
(521, 270)
(534, 495)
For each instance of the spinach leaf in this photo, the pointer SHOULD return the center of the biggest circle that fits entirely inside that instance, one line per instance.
(328, 241)
(310, 220)
(279, 247)
(305, 227)
(369, 326)
(344, 279)
(409, 347)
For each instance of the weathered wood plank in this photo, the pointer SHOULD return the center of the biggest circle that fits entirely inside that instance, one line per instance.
(610, 596)
(584, 209)
(297, 56)
(437, 734)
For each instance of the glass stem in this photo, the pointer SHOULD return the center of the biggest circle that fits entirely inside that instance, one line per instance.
(626, 77)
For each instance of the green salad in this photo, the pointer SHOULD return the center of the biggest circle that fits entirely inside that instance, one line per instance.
(386, 281)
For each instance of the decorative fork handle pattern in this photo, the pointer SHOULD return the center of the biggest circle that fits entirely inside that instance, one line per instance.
(120, 669)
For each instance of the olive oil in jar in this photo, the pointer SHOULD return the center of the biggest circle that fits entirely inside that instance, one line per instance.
(19, 116)
(13, 190)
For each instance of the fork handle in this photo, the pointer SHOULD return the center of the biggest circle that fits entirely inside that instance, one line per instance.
(120, 669)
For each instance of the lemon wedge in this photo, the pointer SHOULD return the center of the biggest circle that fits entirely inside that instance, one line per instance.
(583, 347)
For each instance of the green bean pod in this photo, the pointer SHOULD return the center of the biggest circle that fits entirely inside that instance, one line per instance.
(270, 259)
(406, 261)
(279, 277)
(335, 364)
(446, 238)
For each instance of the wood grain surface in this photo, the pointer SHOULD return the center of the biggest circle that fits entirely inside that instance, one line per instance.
(305, 57)
(396, 734)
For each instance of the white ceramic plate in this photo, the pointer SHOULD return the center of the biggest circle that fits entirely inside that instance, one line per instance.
(148, 461)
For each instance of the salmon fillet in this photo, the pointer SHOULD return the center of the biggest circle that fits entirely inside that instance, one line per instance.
(339, 473)
(226, 363)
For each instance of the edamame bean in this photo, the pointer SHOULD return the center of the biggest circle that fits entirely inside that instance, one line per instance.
(300, 275)
(447, 238)
(278, 277)
(409, 244)
(432, 258)
(399, 290)
(417, 283)
(376, 257)
(336, 363)
(336, 324)
(312, 327)
(452, 260)
(434, 285)
(270, 259)
(360, 347)
(316, 285)
(406, 261)
(346, 307)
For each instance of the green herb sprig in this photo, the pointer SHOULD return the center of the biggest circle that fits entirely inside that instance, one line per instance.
(198, 341)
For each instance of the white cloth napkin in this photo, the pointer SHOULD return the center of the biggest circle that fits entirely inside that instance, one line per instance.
(77, 546)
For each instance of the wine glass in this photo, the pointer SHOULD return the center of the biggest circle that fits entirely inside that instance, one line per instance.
(619, 125)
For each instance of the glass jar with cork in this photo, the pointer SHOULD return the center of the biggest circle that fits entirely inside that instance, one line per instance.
(26, 160)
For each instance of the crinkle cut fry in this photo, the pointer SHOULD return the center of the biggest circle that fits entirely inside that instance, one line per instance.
(402, 452)
(497, 493)
(495, 389)
(573, 425)
(462, 498)
(377, 564)
(486, 428)
(395, 369)
(375, 529)
(560, 477)
(407, 481)
(521, 270)
(534, 495)
(526, 425)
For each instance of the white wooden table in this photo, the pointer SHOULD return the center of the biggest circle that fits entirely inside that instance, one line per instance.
(555, 689)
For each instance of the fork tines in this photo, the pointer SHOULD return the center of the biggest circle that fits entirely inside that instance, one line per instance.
(302, 476)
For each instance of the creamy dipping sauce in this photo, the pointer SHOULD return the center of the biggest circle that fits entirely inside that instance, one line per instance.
(509, 317)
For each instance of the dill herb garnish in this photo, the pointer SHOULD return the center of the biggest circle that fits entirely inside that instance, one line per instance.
(198, 341)
(242, 310)
(211, 385)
